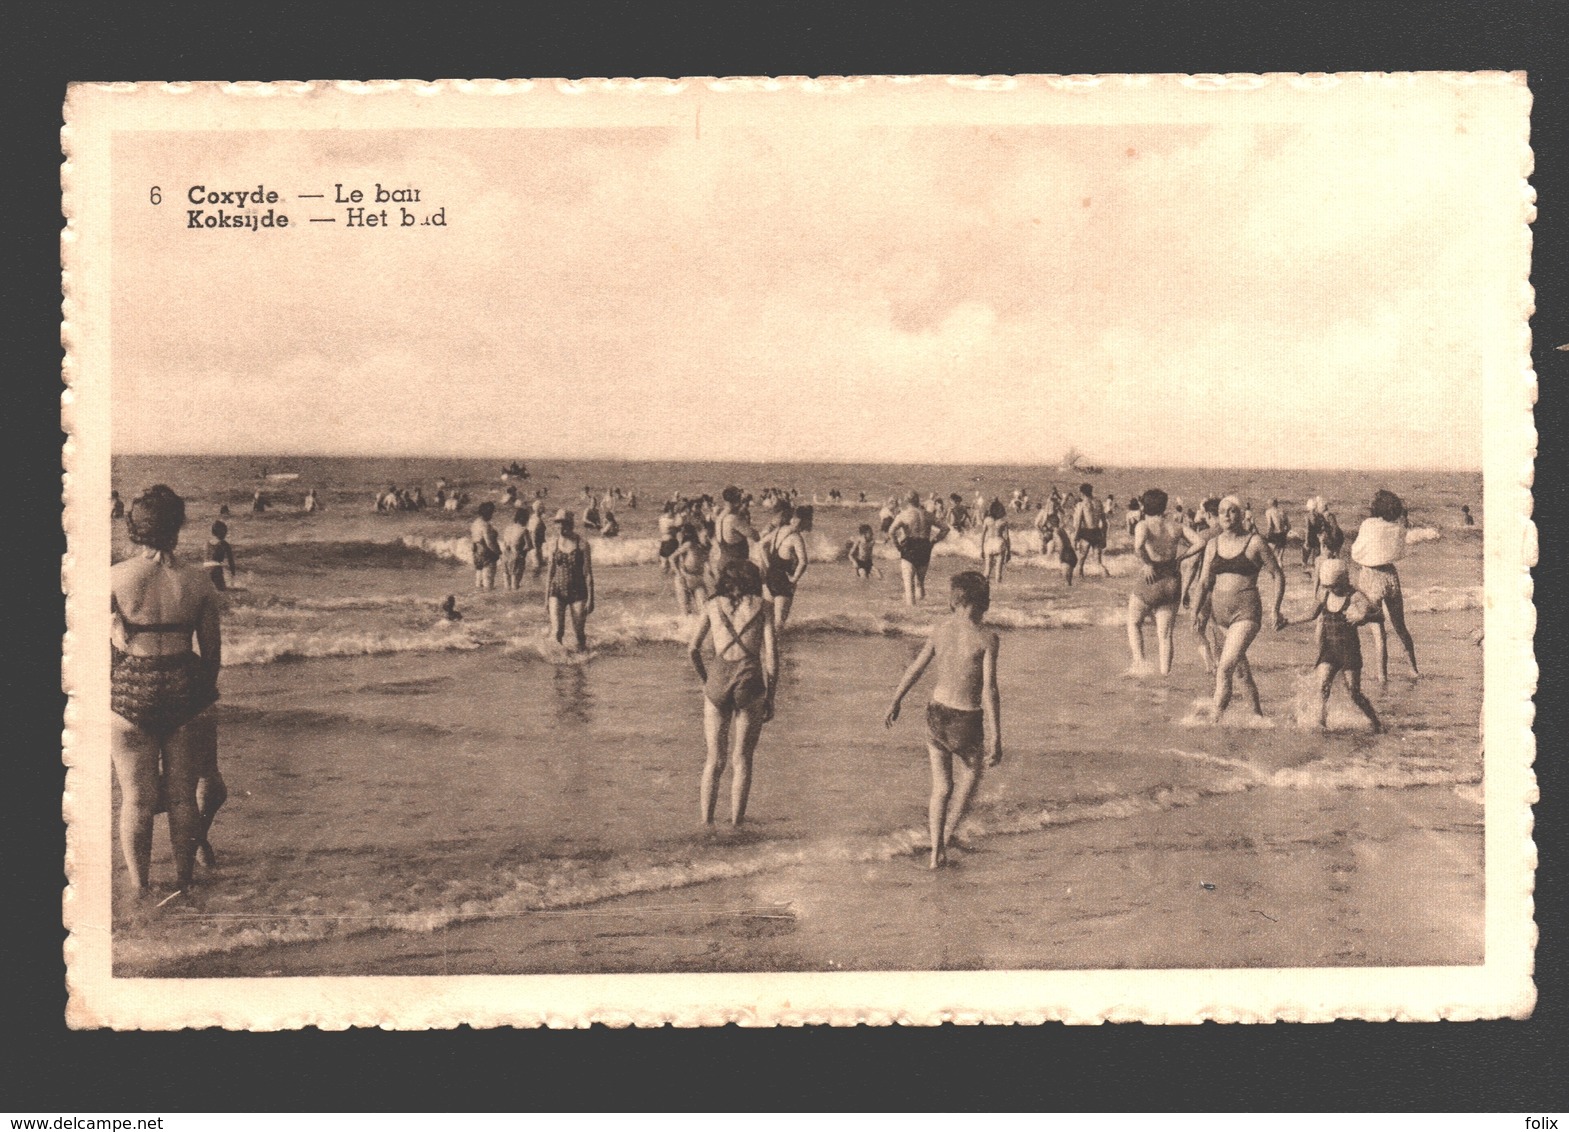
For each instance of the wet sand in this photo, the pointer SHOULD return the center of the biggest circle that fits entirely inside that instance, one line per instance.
(1307, 877)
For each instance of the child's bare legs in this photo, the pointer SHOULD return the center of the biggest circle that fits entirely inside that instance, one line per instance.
(716, 733)
(1234, 662)
(211, 793)
(184, 752)
(1164, 616)
(748, 727)
(725, 742)
(1353, 678)
(1326, 681)
(211, 790)
(683, 591)
(969, 778)
(1380, 651)
(937, 807)
(135, 756)
(1395, 607)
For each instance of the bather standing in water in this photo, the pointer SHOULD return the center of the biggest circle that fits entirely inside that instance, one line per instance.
(738, 685)
(162, 737)
(1228, 583)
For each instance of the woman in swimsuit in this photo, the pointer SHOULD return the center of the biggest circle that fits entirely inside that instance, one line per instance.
(1228, 585)
(995, 543)
(1380, 543)
(1158, 543)
(570, 584)
(784, 560)
(733, 533)
(162, 732)
(738, 690)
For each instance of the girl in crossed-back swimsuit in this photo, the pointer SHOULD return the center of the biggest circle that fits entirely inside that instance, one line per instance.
(163, 741)
(1228, 583)
(738, 684)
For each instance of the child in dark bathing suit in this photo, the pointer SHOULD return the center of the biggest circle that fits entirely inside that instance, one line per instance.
(1338, 613)
(964, 717)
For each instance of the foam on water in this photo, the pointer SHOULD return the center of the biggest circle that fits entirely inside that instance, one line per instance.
(545, 886)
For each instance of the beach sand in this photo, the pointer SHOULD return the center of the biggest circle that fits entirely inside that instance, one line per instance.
(1301, 878)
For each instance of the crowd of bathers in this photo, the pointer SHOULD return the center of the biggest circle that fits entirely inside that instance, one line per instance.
(740, 582)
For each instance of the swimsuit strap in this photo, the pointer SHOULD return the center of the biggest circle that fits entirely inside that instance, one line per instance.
(735, 635)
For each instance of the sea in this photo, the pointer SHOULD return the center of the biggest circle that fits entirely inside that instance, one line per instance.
(391, 771)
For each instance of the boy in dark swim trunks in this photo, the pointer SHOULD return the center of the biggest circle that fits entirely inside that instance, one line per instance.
(860, 551)
(964, 717)
(1340, 610)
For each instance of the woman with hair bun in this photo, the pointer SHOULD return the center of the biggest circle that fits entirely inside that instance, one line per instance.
(163, 739)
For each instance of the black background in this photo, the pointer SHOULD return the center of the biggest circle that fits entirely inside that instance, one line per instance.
(1480, 1066)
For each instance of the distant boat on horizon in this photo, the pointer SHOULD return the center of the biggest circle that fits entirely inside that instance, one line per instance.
(1072, 461)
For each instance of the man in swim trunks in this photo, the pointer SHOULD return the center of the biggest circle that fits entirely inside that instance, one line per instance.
(1276, 527)
(1089, 529)
(964, 717)
(669, 536)
(913, 532)
(485, 547)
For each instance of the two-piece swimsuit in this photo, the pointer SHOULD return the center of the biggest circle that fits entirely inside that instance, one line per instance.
(1228, 607)
(158, 694)
(735, 684)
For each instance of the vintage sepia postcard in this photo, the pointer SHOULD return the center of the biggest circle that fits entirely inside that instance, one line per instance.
(888, 549)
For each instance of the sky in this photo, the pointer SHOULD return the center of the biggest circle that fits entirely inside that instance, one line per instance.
(1222, 293)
